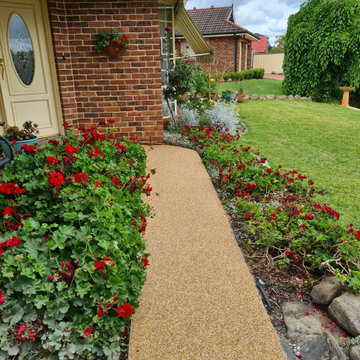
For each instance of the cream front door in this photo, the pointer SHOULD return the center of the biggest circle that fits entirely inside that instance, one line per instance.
(26, 83)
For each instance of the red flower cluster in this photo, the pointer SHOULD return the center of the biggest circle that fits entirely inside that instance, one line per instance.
(52, 160)
(81, 177)
(116, 181)
(97, 183)
(121, 147)
(100, 264)
(28, 331)
(29, 149)
(87, 331)
(8, 211)
(145, 262)
(125, 310)
(14, 241)
(71, 149)
(11, 188)
(55, 179)
(2, 298)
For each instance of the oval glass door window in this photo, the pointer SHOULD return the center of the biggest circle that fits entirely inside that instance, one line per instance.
(21, 49)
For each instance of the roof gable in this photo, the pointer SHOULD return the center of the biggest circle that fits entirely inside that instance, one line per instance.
(260, 46)
(214, 20)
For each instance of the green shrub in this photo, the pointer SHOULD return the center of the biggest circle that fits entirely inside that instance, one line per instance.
(245, 75)
(71, 248)
(322, 49)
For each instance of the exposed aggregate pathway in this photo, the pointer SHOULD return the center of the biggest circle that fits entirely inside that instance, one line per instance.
(199, 301)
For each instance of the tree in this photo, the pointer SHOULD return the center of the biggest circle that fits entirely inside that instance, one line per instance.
(322, 49)
(279, 45)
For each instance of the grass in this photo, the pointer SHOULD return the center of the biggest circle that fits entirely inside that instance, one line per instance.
(318, 140)
(255, 86)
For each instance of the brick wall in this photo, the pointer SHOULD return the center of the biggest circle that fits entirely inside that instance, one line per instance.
(94, 87)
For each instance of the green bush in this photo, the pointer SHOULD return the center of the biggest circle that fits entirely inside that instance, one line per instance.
(71, 248)
(245, 75)
(322, 49)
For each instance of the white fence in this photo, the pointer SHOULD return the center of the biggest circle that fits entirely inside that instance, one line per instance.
(271, 63)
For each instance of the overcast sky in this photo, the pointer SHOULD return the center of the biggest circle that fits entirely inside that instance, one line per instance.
(258, 16)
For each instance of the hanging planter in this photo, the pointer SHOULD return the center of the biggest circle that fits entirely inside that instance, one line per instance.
(112, 41)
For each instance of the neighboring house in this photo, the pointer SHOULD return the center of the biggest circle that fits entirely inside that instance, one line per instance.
(49, 72)
(260, 46)
(230, 42)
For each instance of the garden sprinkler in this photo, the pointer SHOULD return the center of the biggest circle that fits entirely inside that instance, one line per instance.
(259, 285)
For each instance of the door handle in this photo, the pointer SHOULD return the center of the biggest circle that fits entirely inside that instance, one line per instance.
(2, 68)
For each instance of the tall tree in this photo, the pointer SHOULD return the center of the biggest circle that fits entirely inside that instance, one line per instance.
(279, 45)
(322, 48)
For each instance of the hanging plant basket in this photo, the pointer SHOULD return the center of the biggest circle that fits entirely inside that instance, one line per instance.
(112, 49)
(113, 42)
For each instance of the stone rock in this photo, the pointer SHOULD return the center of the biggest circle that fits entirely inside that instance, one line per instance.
(301, 327)
(281, 97)
(310, 98)
(270, 97)
(323, 347)
(262, 97)
(297, 97)
(229, 79)
(345, 310)
(254, 97)
(304, 98)
(247, 97)
(326, 291)
(355, 352)
(290, 97)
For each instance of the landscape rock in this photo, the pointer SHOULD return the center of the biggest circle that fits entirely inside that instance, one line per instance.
(355, 352)
(247, 97)
(290, 97)
(281, 97)
(301, 327)
(297, 97)
(304, 98)
(345, 310)
(323, 347)
(270, 97)
(326, 291)
(262, 97)
(254, 97)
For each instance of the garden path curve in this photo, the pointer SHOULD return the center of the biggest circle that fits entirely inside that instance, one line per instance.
(199, 301)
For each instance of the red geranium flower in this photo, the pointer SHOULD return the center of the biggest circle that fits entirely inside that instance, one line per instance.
(125, 310)
(2, 298)
(52, 160)
(110, 121)
(100, 312)
(81, 176)
(55, 179)
(70, 149)
(99, 265)
(8, 211)
(11, 188)
(97, 183)
(145, 262)
(88, 331)
(14, 241)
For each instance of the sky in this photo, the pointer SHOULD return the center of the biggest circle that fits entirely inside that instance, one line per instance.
(258, 16)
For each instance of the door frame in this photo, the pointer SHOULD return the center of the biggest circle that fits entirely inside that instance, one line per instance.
(53, 70)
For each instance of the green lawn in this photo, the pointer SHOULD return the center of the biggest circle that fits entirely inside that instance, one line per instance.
(319, 140)
(255, 86)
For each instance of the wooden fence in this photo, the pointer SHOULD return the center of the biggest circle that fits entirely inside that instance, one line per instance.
(271, 63)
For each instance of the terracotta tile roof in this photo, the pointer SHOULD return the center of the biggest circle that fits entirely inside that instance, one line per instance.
(260, 46)
(214, 20)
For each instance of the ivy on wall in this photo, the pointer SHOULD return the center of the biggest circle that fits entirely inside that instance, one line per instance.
(322, 49)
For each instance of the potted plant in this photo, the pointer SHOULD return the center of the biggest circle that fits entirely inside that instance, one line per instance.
(27, 135)
(113, 41)
(226, 95)
(240, 94)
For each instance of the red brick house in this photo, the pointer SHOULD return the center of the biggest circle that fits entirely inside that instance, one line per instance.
(49, 72)
(260, 46)
(230, 42)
